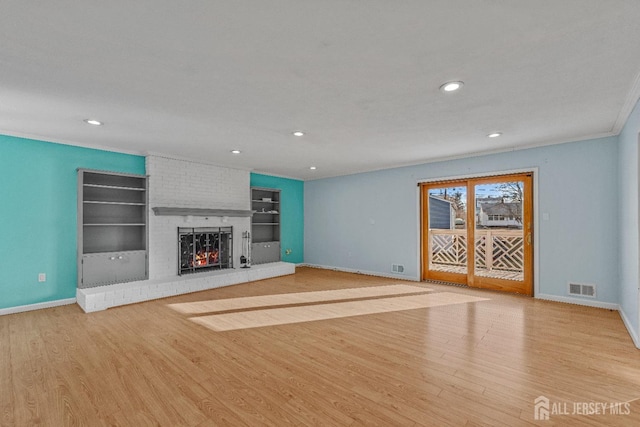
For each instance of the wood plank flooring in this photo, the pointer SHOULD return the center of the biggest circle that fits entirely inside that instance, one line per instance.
(308, 313)
(471, 363)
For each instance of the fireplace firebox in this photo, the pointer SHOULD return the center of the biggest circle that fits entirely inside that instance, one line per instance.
(202, 249)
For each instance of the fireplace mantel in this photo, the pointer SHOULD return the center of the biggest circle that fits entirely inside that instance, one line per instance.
(173, 211)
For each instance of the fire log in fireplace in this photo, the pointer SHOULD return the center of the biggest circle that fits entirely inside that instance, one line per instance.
(204, 249)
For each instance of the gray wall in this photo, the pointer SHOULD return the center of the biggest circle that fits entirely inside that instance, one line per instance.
(628, 222)
(439, 213)
(368, 221)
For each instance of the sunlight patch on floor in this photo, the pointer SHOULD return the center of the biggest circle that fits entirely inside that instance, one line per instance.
(289, 315)
(212, 306)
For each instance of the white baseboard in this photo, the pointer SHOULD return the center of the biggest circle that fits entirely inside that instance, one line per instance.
(579, 301)
(365, 272)
(627, 324)
(38, 306)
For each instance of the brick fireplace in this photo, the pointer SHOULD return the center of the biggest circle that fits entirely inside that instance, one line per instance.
(197, 190)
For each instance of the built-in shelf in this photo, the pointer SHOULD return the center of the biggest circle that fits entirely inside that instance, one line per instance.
(112, 228)
(115, 187)
(265, 225)
(171, 211)
(115, 225)
(114, 203)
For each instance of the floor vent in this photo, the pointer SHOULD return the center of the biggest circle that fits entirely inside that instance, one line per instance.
(397, 268)
(582, 290)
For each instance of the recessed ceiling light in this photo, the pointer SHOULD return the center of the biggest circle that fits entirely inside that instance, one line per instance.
(298, 133)
(312, 168)
(451, 86)
(236, 151)
(494, 134)
(93, 122)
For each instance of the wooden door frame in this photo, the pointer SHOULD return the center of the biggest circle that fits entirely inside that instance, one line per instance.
(422, 205)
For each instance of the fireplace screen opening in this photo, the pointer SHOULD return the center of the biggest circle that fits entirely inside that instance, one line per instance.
(203, 249)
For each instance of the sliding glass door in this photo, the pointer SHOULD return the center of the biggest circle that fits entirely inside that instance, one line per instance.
(478, 232)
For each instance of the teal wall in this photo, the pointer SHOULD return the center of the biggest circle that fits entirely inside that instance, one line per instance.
(38, 211)
(291, 213)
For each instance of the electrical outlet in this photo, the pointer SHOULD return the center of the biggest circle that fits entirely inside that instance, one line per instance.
(42, 277)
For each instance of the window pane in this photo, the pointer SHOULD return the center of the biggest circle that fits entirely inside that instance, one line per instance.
(499, 239)
(448, 229)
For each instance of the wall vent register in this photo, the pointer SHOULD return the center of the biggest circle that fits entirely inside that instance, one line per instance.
(582, 290)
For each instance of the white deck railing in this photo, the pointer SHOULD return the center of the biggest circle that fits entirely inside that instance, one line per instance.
(497, 252)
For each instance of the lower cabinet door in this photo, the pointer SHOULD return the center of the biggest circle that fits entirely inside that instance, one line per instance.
(131, 266)
(113, 267)
(262, 253)
(97, 270)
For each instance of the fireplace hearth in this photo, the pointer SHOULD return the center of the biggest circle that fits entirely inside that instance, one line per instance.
(201, 249)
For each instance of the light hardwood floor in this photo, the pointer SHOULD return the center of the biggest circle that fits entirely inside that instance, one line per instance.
(461, 363)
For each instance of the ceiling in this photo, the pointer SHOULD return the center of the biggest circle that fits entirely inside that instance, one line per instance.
(198, 79)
